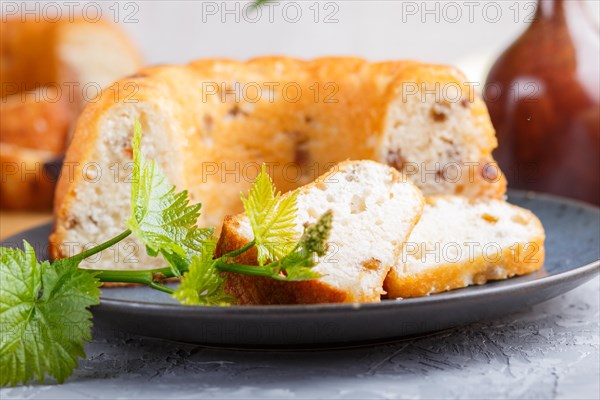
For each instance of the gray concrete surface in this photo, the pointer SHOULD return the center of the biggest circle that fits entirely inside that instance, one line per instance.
(548, 352)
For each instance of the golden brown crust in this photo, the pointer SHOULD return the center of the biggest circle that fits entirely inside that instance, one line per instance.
(452, 276)
(40, 123)
(257, 290)
(40, 96)
(30, 52)
(523, 259)
(260, 290)
(24, 45)
(27, 181)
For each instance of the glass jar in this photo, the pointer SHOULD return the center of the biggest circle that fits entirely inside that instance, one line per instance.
(543, 97)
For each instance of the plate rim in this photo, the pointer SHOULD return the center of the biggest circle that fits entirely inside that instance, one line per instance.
(445, 297)
(581, 271)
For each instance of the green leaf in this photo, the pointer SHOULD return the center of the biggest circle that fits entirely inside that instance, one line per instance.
(161, 218)
(272, 219)
(44, 317)
(203, 284)
(297, 265)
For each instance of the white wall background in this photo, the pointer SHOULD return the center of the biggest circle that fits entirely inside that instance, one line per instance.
(465, 33)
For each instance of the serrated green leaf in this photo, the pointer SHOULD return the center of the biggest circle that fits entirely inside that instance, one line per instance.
(272, 219)
(161, 218)
(203, 284)
(44, 317)
(297, 265)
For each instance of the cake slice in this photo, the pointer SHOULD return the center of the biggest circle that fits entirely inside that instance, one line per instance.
(374, 209)
(460, 242)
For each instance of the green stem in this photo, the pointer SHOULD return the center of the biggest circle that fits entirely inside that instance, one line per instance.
(256, 270)
(151, 278)
(239, 251)
(88, 253)
(244, 269)
(162, 288)
(143, 276)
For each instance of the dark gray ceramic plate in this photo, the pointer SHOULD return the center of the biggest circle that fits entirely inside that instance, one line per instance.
(572, 258)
